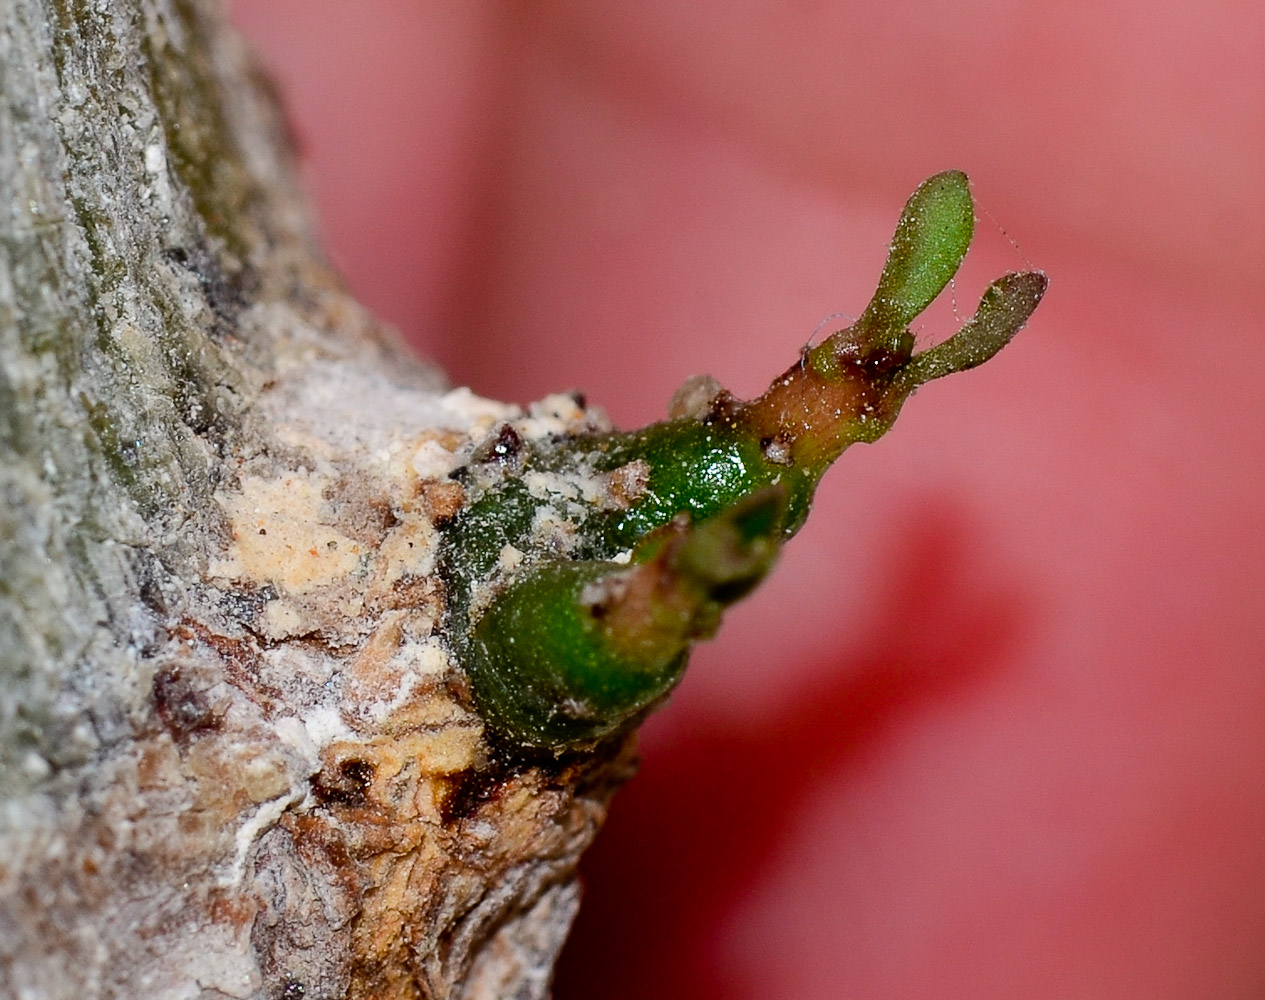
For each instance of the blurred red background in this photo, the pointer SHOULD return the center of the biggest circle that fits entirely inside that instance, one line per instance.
(997, 726)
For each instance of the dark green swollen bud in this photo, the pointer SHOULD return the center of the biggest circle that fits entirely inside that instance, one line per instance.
(625, 547)
(594, 645)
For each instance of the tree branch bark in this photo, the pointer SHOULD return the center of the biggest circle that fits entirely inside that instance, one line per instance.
(235, 756)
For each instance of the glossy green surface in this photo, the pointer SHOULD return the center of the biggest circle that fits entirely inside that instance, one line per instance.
(594, 645)
(697, 468)
(569, 681)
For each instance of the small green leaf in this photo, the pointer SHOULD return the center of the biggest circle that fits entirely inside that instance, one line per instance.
(1003, 310)
(931, 239)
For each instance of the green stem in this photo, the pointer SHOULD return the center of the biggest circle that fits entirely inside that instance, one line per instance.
(595, 626)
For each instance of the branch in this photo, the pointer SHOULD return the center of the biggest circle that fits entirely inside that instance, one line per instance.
(235, 755)
(319, 676)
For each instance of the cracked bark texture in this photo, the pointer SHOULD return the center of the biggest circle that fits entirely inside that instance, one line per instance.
(236, 759)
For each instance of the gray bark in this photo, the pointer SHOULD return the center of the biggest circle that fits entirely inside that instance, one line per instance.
(235, 756)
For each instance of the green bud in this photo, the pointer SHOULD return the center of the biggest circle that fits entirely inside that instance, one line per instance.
(590, 623)
(584, 648)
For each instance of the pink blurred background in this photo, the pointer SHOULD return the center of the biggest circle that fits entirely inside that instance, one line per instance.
(997, 726)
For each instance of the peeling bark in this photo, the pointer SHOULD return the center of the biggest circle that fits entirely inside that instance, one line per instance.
(236, 758)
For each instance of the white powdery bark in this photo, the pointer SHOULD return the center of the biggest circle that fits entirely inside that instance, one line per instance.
(236, 758)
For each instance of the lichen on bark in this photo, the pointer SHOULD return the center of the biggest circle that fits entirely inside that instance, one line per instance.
(235, 758)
